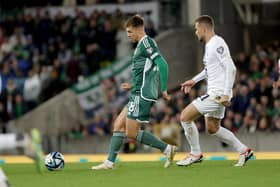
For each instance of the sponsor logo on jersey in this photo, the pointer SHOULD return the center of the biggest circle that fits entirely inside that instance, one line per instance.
(220, 50)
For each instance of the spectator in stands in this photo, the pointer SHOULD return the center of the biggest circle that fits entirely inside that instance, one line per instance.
(250, 122)
(228, 124)
(108, 42)
(168, 130)
(64, 54)
(237, 121)
(276, 125)
(275, 110)
(19, 108)
(264, 124)
(241, 102)
(150, 30)
(117, 20)
(98, 126)
(18, 39)
(73, 69)
(2, 36)
(32, 89)
(242, 62)
(124, 46)
(78, 131)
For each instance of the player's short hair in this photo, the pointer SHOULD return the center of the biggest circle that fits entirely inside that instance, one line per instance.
(205, 19)
(135, 21)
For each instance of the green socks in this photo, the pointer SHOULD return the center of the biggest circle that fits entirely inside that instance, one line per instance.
(149, 139)
(142, 137)
(115, 145)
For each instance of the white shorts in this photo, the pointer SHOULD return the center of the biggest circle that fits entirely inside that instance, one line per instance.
(208, 106)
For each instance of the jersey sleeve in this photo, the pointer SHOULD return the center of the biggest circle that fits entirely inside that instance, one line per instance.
(152, 52)
(150, 48)
(163, 72)
(226, 61)
(200, 76)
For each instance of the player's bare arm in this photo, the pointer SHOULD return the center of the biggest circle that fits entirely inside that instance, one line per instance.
(166, 96)
(187, 86)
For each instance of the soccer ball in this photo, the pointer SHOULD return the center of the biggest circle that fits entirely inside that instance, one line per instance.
(54, 161)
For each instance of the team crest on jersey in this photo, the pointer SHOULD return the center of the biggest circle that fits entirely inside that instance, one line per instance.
(149, 50)
(220, 50)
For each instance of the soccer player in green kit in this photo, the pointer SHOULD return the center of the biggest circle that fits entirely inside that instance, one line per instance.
(149, 67)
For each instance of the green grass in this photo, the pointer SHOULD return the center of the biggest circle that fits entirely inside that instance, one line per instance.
(257, 173)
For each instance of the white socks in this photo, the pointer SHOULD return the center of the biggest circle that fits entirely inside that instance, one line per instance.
(229, 138)
(192, 136)
(167, 149)
(223, 134)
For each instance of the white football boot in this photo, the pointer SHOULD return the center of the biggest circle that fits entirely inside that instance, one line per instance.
(190, 159)
(104, 166)
(244, 157)
(170, 156)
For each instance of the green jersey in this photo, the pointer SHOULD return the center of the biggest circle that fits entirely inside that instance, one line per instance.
(145, 73)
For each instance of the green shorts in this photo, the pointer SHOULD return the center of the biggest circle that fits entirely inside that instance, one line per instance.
(139, 109)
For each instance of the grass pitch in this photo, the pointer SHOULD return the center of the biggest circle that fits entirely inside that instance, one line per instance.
(257, 173)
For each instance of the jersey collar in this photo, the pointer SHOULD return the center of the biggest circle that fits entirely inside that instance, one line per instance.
(208, 43)
(141, 40)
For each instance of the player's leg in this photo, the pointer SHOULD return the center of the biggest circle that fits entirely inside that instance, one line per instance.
(147, 138)
(133, 131)
(214, 128)
(188, 115)
(118, 136)
(31, 144)
(116, 142)
(139, 112)
(36, 147)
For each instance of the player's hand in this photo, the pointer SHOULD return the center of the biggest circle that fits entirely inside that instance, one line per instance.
(224, 100)
(126, 86)
(166, 96)
(187, 86)
(276, 84)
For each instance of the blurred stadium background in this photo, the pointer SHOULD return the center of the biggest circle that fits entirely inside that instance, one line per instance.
(62, 61)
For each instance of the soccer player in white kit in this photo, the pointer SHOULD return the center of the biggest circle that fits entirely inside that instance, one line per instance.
(219, 71)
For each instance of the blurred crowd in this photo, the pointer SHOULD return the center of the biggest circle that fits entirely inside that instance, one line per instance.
(43, 54)
(255, 104)
(35, 3)
(40, 56)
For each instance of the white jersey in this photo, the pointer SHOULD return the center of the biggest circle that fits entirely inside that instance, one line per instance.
(219, 69)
